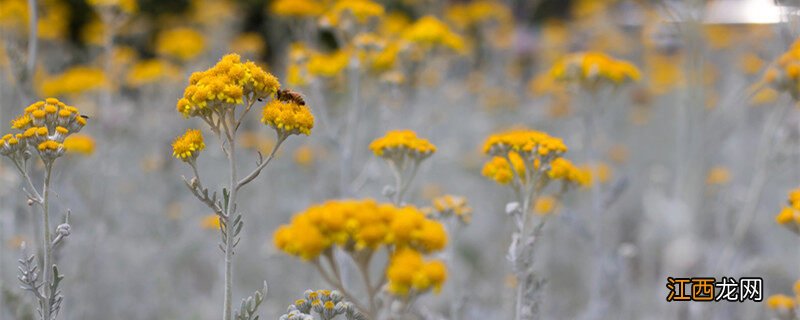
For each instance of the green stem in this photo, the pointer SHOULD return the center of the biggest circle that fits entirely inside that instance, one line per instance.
(48, 249)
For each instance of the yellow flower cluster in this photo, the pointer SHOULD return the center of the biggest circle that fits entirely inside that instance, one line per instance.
(408, 272)
(356, 225)
(188, 146)
(44, 126)
(475, 12)
(328, 64)
(784, 75)
(183, 44)
(431, 32)
(288, 117)
(79, 144)
(592, 68)
(224, 85)
(75, 80)
(517, 151)
(401, 144)
(450, 205)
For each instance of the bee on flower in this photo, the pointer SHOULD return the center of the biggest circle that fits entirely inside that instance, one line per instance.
(222, 96)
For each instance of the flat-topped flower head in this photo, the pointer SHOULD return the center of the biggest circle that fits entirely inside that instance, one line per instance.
(43, 125)
(188, 146)
(429, 32)
(409, 273)
(288, 117)
(527, 143)
(356, 225)
(224, 86)
(399, 144)
(297, 8)
(590, 69)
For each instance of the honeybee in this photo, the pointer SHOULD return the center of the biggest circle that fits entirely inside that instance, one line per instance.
(287, 95)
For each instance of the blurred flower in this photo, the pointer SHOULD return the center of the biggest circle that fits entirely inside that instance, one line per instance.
(361, 10)
(545, 205)
(75, 80)
(328, 64)
(764, 96)
(751, 63)
(600, 171)
(718, 175)
(429, 32)
(784, 75)
(297, 8)
(590, 69)
(210, 222)
(408, 271)
(449, 205)
(79, 144)
(304, 156)
(565, 170)
(188, 146)
(249, 43)
(662, 75)
(789, 215)
(183, 44)
(618, 153)
(782, 305)
(150, 71)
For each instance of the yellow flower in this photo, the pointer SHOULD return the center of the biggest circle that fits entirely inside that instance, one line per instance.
(210, 222)
(408, 271)
(225, 85)
(288, 117)
(430, 32)
(150, 71)
(181, 43)
(718, 175)
(75, 80)
(764, 96)
(397, 144)
(361, 10)
(563, 169)
(44, 125)
(525, 143)
(780, 302)
(498, 170)
(591, 68)
(297, 8)
(784, 75)
(249, 43)
(545, 205)
(328, 64)
(751, 63)
(357, 225)
(80, 144)
(188, 146)
(304, 156)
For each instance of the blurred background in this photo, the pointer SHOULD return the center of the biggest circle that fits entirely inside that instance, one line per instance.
(691, 162)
